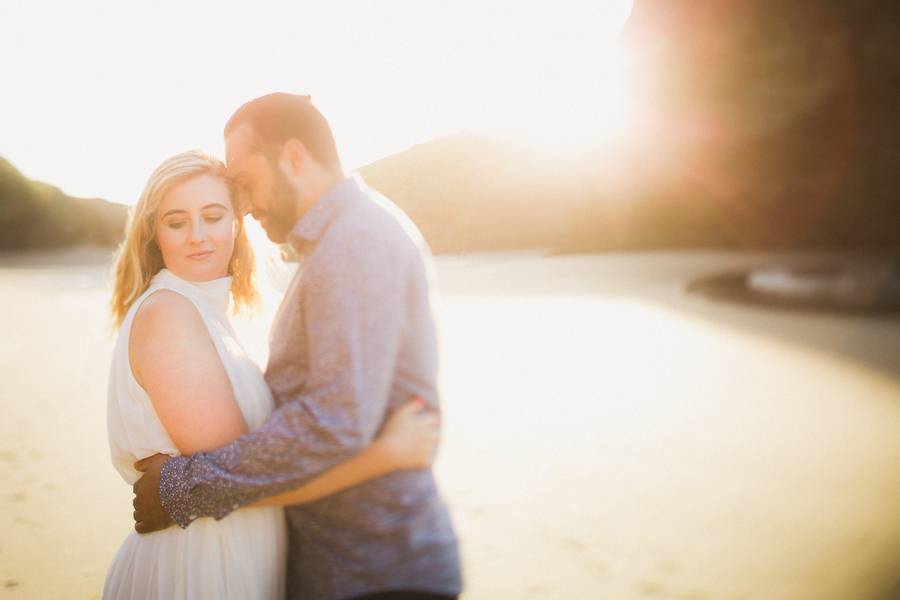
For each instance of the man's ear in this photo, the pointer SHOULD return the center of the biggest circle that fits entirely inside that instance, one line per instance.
(293, 156)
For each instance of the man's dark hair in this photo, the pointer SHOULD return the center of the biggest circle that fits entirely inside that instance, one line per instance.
(276, 118)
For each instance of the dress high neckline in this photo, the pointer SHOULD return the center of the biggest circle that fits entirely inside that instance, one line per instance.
(216, 292)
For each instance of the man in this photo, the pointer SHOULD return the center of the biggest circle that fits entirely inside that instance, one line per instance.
(353, 340)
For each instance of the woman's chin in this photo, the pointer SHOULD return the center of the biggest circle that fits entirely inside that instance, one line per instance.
(199, 272)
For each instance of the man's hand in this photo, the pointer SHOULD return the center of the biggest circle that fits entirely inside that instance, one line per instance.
(149, 514)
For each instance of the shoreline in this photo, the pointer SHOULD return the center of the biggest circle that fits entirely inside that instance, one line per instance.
(57, 257)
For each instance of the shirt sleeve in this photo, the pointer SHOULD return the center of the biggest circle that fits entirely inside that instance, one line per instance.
(353, 301)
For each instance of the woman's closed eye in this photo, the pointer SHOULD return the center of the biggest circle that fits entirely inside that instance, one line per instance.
(207, 218)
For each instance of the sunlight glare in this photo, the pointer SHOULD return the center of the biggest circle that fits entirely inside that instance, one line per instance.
(388, 75)
(584, 112)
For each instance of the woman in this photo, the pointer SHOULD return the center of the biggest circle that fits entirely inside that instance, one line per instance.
(180, 383)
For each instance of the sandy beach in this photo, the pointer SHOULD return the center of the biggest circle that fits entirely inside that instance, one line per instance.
(607, 435)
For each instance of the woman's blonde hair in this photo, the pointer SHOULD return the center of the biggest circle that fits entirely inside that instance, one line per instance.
(139, 258)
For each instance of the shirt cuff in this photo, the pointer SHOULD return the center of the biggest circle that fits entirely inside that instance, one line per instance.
(174, 491)
(190, 487)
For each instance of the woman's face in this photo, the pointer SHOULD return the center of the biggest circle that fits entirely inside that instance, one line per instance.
(196, 228)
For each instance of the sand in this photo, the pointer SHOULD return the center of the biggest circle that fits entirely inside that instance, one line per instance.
(607, 435)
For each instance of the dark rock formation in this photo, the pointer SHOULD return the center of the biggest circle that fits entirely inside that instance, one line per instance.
(782, 118)
(861, 284)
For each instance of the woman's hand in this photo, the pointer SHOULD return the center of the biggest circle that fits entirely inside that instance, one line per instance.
(410, 436)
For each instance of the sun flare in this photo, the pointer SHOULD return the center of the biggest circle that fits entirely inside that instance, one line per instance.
(393, 74)
(588, 110)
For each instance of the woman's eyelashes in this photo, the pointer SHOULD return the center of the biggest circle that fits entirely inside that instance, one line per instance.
(180, 223)
(175, 224)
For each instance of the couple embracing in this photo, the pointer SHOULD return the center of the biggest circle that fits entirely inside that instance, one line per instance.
(341, 428)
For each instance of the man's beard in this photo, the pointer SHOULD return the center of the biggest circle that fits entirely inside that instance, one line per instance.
(282, 214)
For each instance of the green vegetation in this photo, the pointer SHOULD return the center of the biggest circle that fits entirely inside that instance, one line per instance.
(37, 215)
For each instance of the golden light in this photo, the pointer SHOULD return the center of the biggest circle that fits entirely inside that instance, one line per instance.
(588, 109)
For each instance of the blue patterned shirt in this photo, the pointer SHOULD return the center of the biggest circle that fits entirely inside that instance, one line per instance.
(353, 340)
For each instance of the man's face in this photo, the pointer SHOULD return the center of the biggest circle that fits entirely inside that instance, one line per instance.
(261, 188)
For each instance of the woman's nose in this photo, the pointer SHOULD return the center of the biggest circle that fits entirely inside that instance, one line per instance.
(197, 231)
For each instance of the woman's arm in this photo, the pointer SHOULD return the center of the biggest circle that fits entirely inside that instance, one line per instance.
(408, 441)
(174, 360)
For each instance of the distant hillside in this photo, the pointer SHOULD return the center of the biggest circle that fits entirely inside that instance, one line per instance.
(759, 124)
(37, 215)
(471, 192)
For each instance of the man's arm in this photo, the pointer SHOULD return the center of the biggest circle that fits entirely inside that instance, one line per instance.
(354, 314)
(408, 441)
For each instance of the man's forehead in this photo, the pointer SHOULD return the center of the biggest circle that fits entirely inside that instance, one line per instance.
(237, 144)
(235, 166)
(232, 164)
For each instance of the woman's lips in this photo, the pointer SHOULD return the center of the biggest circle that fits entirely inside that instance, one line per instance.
(200, 255)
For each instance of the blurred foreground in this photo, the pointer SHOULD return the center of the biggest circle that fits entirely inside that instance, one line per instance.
(607, 434)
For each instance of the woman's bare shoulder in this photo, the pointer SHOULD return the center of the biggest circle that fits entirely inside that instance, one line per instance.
(169, 339)
(163, 313)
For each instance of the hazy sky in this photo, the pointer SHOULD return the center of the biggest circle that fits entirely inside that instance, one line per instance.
(95, 94)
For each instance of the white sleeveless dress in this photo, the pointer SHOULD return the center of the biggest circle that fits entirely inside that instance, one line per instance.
(241, 556)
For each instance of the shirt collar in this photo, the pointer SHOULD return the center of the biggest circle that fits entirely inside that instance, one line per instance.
(312, 225)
